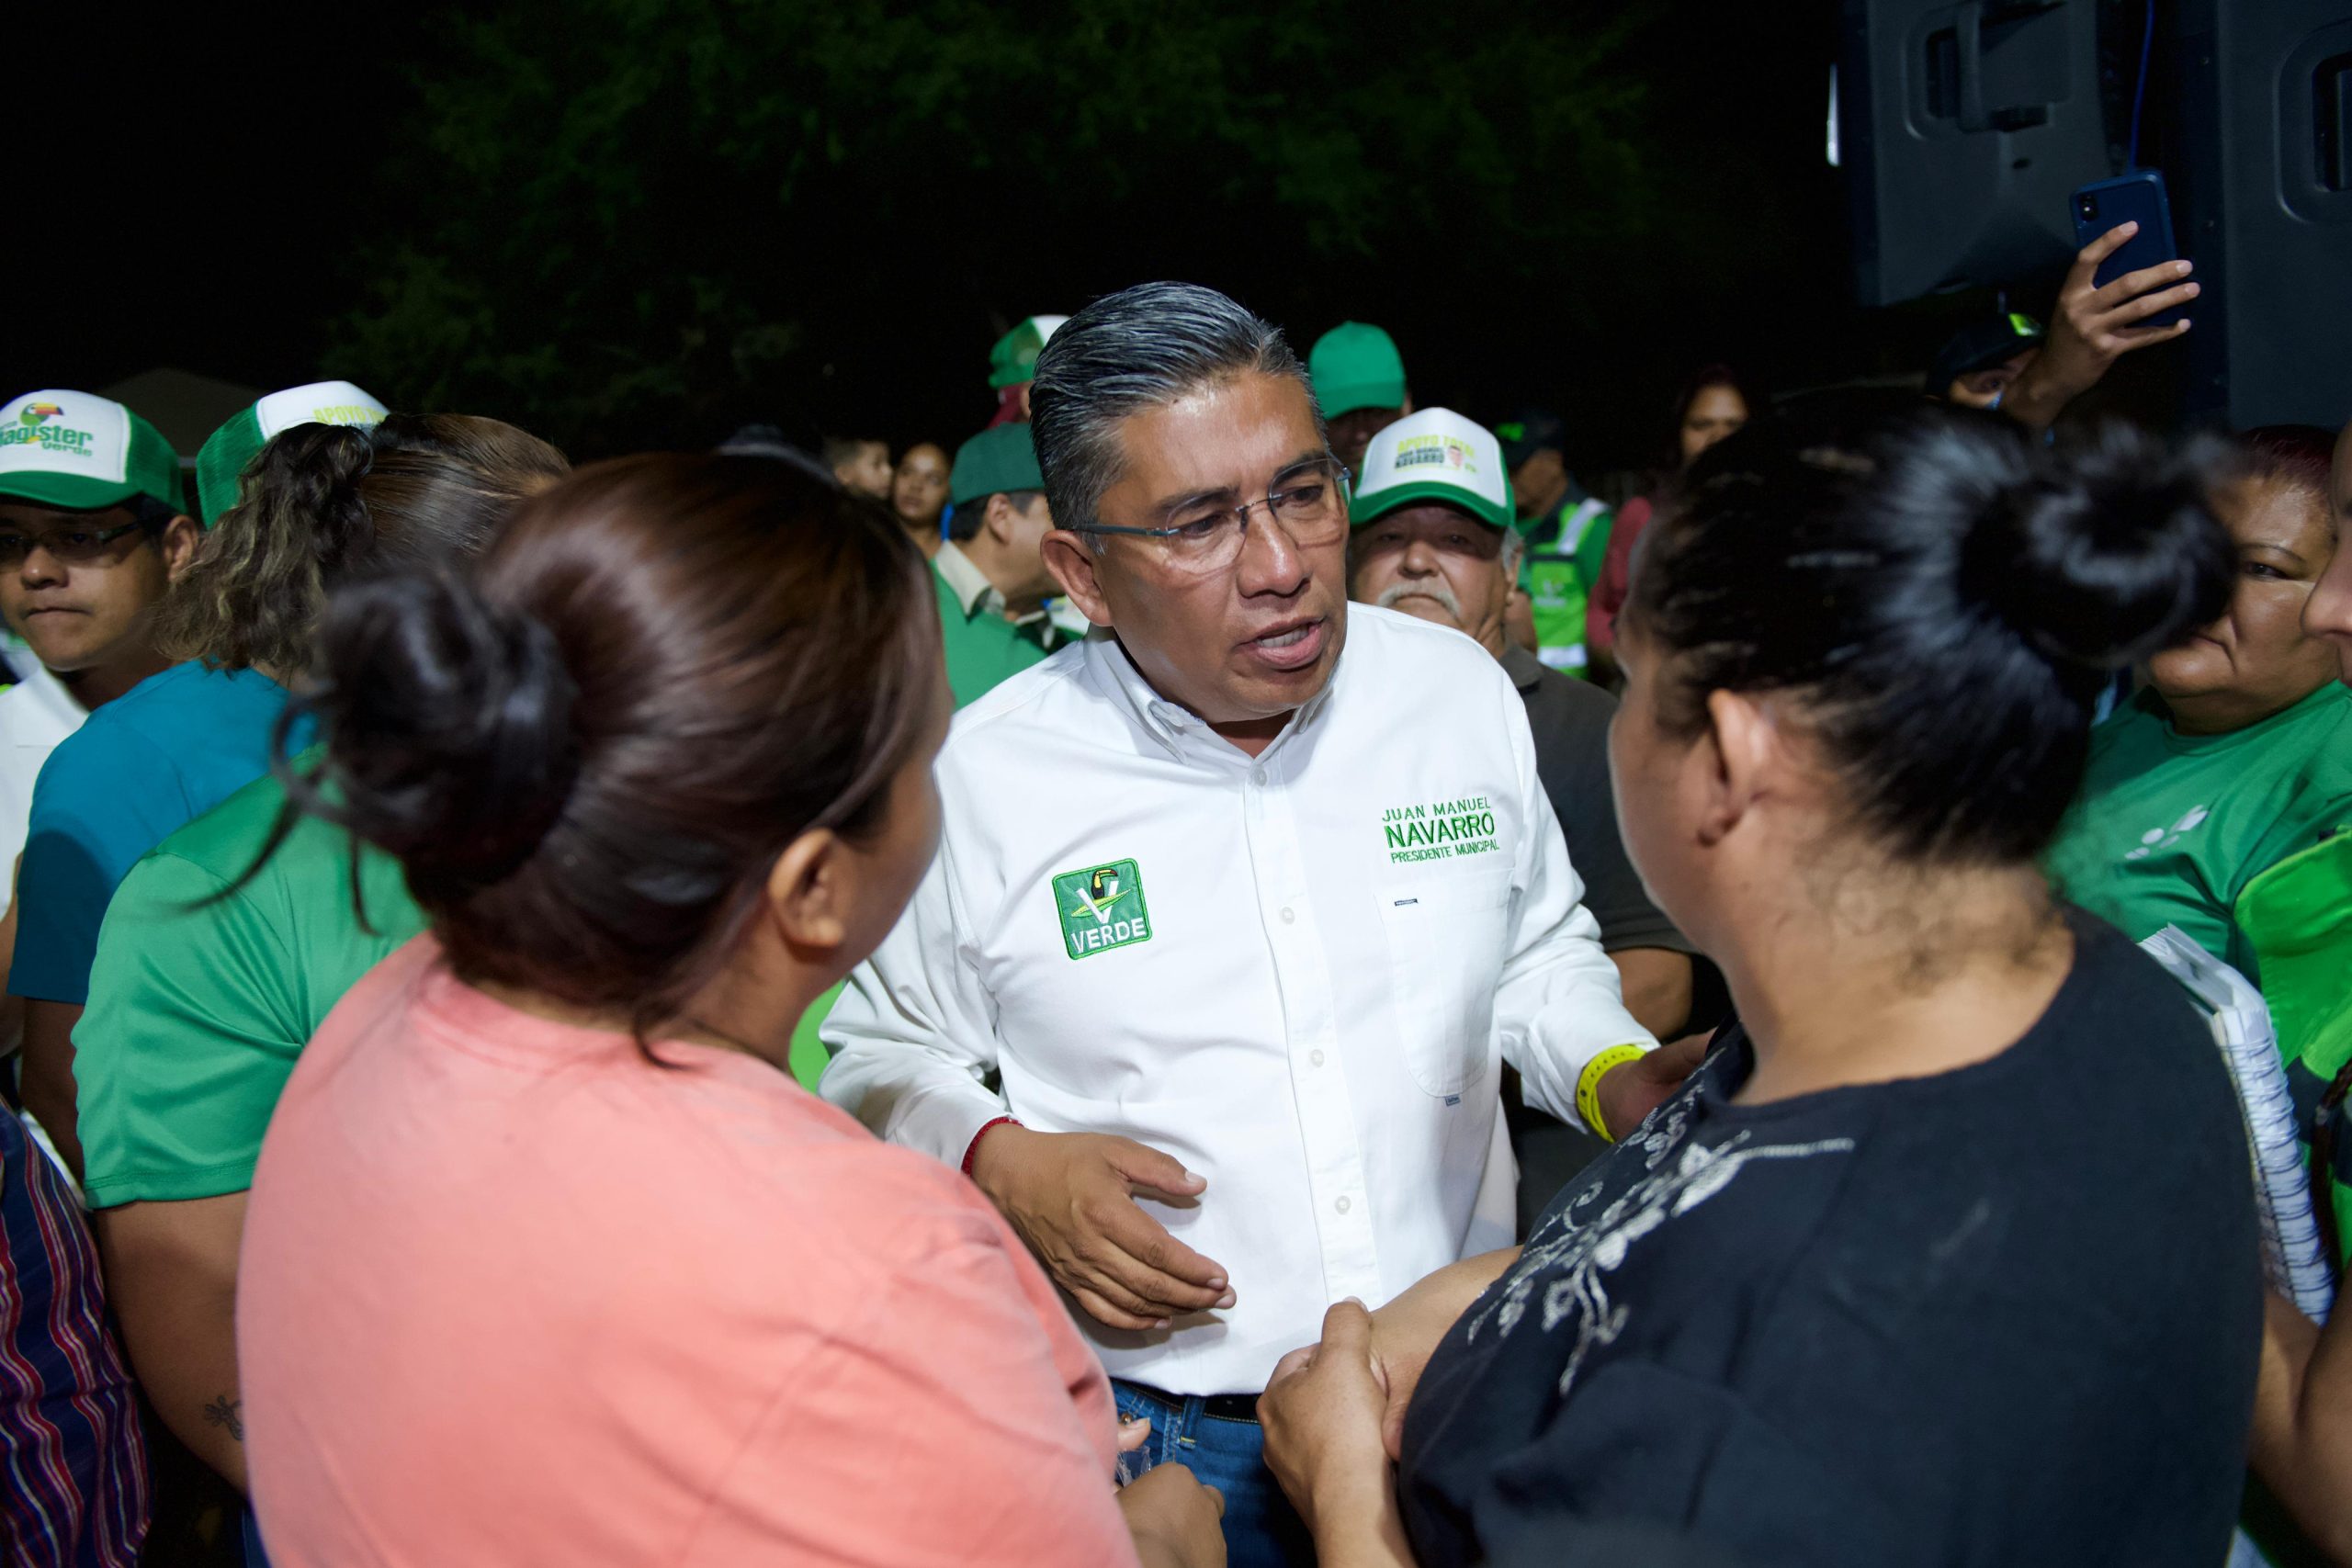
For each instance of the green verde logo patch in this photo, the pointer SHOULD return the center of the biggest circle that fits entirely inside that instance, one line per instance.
(1444, 829)
(1101, 908)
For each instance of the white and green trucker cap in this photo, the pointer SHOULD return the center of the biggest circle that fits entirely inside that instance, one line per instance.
(83, 452)
(228, 451)
(1435, 455)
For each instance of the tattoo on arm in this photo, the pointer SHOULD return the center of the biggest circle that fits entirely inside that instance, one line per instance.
(224, 1411)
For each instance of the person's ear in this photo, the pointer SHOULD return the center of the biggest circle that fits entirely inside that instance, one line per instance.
(810, 889)
(178, 542)
(1073, 566)
(1738, 750)
(1000, 518)
(1408, 404)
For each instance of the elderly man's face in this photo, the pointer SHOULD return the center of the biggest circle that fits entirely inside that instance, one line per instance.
(1436, 562)
(1249, 643)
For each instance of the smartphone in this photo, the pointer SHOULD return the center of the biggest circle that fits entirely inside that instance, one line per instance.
(2136, 198)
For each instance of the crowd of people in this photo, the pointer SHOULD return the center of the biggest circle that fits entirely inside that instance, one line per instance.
(1231, 969)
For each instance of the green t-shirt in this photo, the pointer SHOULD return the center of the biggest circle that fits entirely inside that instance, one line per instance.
(200, 1003)
(2169, 828)
(1565, 552)
(983, 647)
(2297, 915)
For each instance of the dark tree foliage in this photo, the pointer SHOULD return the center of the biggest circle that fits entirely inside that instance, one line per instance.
(633, 222)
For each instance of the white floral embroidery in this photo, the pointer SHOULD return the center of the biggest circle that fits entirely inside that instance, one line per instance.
(1579, 1249)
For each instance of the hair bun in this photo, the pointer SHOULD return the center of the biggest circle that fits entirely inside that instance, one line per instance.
(2103, 557)
(449, 723)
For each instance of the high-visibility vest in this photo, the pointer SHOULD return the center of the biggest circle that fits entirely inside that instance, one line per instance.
(1564, 551)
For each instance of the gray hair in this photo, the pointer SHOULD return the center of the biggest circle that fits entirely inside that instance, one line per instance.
(1514, 551)
(1141, 348)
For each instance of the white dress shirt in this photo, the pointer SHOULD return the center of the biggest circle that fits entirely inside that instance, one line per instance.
(1298, 975)
(36, 713)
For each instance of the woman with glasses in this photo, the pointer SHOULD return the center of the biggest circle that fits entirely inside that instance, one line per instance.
(549, 1258)
(1946, 1254)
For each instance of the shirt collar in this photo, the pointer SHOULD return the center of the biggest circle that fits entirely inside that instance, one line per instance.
(1181, 731)
(1524, 668)
(971, 587)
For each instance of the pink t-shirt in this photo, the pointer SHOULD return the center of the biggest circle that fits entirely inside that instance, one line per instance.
(510, 1294)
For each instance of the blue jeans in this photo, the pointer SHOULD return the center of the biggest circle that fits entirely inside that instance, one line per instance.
(1261, 1530)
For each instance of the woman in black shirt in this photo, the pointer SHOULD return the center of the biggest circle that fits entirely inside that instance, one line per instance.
(1947, 1253)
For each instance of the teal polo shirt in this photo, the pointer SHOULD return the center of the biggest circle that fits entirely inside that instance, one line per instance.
(141, 768)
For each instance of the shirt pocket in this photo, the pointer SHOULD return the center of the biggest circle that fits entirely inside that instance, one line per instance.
(1445, 953)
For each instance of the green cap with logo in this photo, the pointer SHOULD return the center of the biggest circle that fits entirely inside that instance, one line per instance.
(83, 452)
(996, 460)
(1356, 366)
(1014, 358)
(221, 462)
(1435, 455)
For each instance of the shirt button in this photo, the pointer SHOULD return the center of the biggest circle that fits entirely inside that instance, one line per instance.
(1316, 1057)
(1288, 917)
(1258, 777)
(1341, 1205)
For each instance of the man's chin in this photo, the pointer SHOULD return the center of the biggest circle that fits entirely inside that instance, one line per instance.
(57, 656)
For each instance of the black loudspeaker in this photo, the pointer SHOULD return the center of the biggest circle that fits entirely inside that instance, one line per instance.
(1963, 130)
(2265, 208)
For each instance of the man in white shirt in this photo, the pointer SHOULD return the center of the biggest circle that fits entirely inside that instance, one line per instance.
(1247, 905)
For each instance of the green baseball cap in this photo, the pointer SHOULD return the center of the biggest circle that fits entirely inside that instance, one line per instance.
(1356, 366)
(221, 462)
(84, 452)
(1435, 455)
(1014, 358)
(996, 460)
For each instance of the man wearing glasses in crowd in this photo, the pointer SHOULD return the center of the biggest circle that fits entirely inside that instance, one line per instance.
(93, 528)
(1245, 905)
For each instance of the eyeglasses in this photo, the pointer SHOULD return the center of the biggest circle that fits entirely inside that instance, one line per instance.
(74, 546)
(1308, 499)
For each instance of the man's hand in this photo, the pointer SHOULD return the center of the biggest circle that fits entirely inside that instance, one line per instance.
(1631, 1091)
(1176, 1521)
(2092, 327)
(1071, 1198)
(1322, 1412)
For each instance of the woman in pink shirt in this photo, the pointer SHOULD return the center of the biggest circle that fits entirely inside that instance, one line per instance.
(548, 1259)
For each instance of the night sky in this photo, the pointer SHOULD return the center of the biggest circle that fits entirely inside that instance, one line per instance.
(220, 194)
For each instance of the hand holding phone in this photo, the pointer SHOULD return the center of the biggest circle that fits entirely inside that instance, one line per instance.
(2135, 207)
(2103, 312)
(2107, 306)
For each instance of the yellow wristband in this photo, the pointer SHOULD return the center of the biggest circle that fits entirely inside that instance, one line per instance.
(1589, 1086)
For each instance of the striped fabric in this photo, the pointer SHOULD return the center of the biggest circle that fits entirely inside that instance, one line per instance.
(74, 1487)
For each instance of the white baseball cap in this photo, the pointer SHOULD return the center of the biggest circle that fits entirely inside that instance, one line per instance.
(229, 450)
(1435, 455)
(84, 452)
